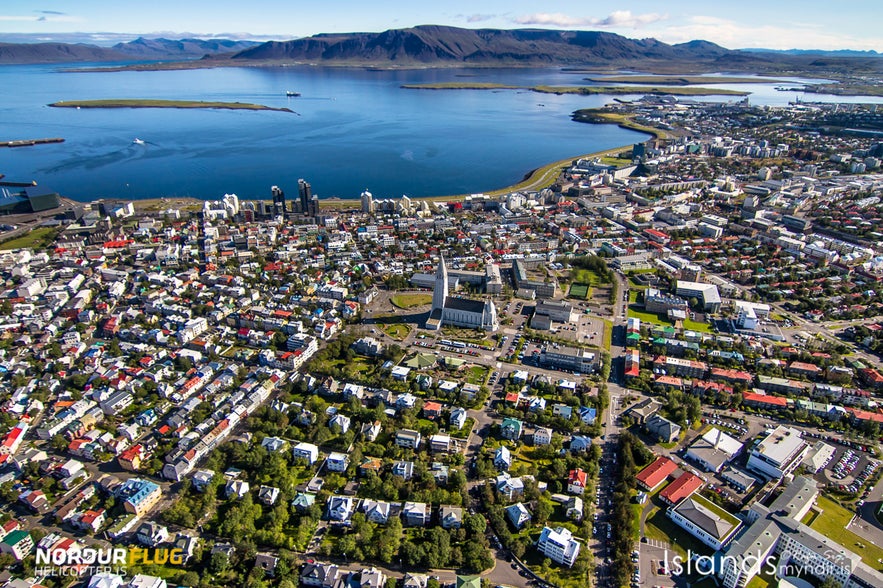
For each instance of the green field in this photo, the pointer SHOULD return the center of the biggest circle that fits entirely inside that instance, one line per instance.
(476, 375)
(646, 317)
(36, 239)
(584, 276)
(149, 103)
(696, 326)
(678, 80)
(580, 291)
(406, 301)
(832, 524)
(397, 331)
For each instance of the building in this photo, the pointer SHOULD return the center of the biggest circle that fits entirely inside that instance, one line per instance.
(662, 429)
(408, 439)
(503, 458)
(511, 429)
(416, 514)
(713, 450)
(450, 517)
(337, 462)
(458, 312)
(571, 359)
(139, 496)
(642, 411)
(19, 544)
(655, 474)
(518, 515)
(707, 294)
(307, 452)
(542, 436)
(685, 485)
(709, 523)
(779, 454)
(576, 481)
(548, 312)
(340, 508)
(558, 545)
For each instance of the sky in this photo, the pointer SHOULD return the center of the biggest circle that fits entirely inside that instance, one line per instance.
(772, 24)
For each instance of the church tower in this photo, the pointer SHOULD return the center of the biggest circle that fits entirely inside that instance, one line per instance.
(440, 291)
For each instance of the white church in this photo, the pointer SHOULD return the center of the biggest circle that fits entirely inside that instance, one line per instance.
(458, 312)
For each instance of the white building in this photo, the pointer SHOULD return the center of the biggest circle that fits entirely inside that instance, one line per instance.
(779, 454)
(558, 545)
(707, 522)
(459, 312)
(306, 451)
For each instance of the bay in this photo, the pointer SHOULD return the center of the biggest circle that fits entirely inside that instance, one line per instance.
(353, 129)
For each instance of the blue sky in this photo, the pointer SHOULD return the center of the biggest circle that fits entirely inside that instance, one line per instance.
(775, 24)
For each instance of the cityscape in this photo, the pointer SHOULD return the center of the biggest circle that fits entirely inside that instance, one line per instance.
(654, 366)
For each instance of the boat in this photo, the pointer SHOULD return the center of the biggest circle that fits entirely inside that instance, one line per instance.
(290, 93)
(138, 141)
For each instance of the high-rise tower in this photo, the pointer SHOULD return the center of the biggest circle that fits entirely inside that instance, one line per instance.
(278, 201)
(305, 191)
(440, 290)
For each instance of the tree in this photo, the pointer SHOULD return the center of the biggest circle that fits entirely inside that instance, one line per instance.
(219, 563)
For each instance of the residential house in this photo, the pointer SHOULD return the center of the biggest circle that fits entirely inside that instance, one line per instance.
(518, 515)
(376, 511)
(542, 436)
(576, 481)
(503, 459)
(340, 508)
(337, 462)
(458, 418)
(511, 429)
(450, 517)
(416, 514)
(408, 439)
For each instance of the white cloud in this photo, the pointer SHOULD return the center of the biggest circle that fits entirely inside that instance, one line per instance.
(734, 35)
(480, 17)
(618, 18)
(45, 17)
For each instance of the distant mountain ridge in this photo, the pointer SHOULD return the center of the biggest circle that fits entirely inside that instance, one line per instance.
(429, 44)
(140, 48)
(181, 48)
(822, 52)
(444, 46)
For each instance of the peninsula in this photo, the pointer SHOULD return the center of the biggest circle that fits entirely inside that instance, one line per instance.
(144, 103)
(586, 90)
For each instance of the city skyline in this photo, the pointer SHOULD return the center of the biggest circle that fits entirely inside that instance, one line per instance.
(750, 24)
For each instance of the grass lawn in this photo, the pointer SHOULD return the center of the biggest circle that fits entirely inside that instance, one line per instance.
(38, 238)
(646, 317)
(607, 339)
(696, 326)
(658, 526)
(411, 300)
(476, 375)
(580, 291)
(397, 331)
(762, 580)
(584, 276)
(832, 524)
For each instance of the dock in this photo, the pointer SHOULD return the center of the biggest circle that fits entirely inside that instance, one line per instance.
(30, 142)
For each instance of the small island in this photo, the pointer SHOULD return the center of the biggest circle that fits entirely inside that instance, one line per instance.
(586, 90)
(145, 103)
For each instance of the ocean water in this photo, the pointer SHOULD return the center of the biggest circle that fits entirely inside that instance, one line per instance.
(352, 129)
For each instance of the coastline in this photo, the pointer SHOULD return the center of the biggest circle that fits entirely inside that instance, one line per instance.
(583, 90)
(534, 180)
(150, 103)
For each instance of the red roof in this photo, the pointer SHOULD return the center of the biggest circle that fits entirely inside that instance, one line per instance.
(578, 477)
(681, 488)
(764, 399)
(655, 473)
(864, 415)
(432, 407)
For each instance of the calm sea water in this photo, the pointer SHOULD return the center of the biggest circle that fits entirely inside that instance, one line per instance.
(354, 129)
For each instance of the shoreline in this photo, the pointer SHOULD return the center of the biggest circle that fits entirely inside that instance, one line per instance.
(150, 103)
(581, 90)
(534, 180)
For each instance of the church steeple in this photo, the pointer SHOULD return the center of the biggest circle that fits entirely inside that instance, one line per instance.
(440, 290)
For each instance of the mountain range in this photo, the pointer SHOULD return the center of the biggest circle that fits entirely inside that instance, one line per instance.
(436, 46)
(137, 49)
